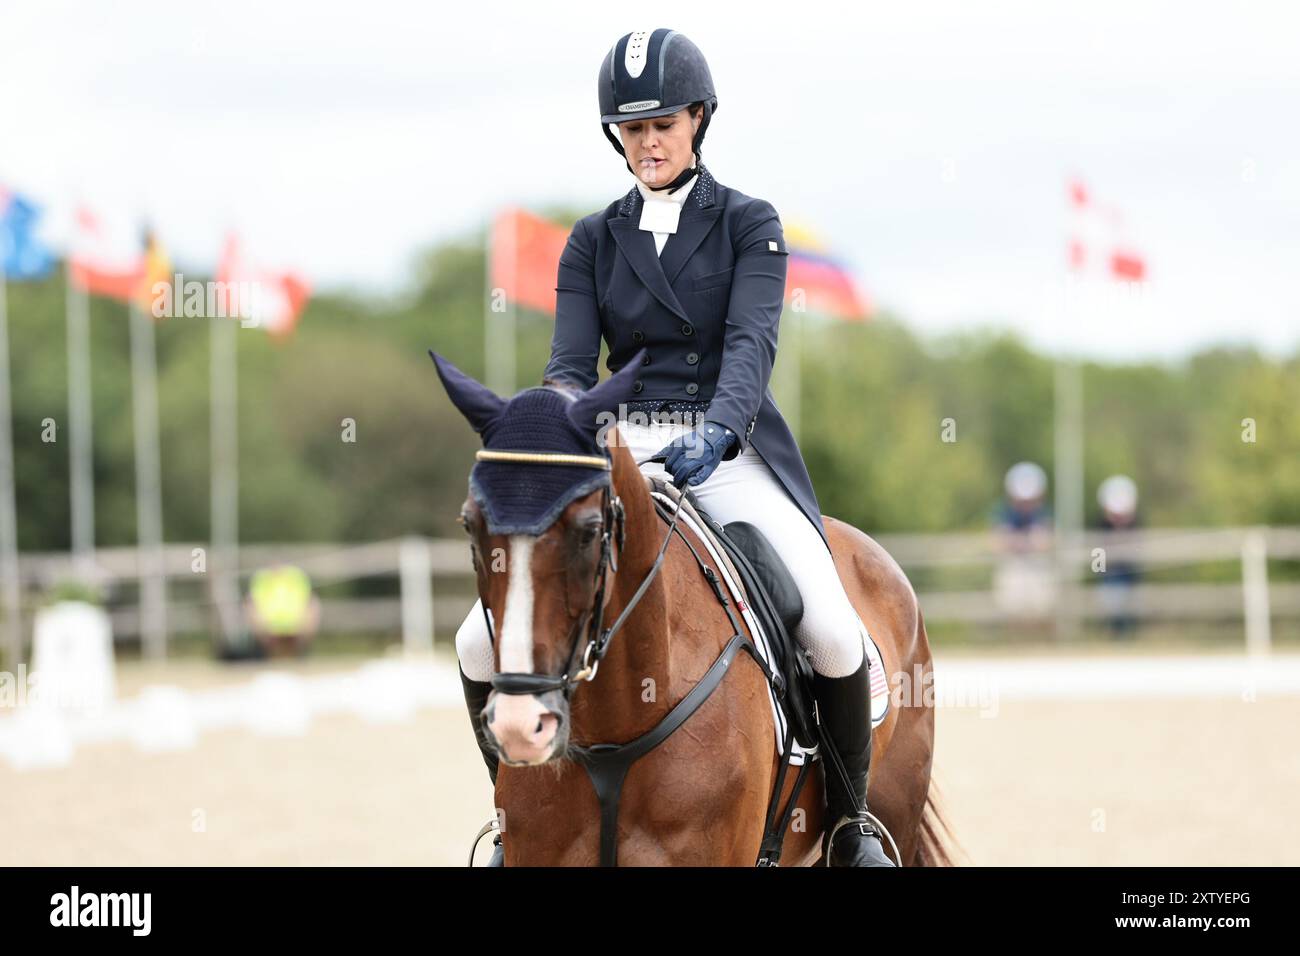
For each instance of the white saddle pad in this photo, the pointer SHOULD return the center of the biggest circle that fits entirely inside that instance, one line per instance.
(875, 664)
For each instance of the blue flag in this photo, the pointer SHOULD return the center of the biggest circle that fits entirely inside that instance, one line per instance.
(24, 256)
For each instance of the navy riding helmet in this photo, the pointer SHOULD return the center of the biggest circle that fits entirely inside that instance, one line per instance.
(651, 73)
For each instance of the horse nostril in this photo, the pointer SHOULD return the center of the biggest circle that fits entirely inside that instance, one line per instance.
(547, 725)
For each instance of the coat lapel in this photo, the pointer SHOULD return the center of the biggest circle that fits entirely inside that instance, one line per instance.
(693, 226)
(638, 247)
(657, 272)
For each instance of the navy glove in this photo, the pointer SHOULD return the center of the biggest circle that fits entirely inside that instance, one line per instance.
(694, 456)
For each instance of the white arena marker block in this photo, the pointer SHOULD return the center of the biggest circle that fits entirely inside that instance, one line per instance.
(278, 706)
(38, 739)
(72, 658)
(385, 693)
(162, 720)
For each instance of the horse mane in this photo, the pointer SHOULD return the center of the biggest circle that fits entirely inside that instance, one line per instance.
(559, 385)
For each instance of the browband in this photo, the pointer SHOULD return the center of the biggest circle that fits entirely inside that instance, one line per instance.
(545, 458)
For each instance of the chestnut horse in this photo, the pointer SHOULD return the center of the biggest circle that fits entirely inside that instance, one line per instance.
(701, 796)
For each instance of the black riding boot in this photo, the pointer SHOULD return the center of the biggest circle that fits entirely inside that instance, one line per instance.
(476, 695)
(844, 712)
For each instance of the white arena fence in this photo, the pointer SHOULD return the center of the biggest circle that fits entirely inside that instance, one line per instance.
(433, 581)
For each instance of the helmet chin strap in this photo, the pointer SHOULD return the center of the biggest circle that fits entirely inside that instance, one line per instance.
(682, 179)
(686, 174)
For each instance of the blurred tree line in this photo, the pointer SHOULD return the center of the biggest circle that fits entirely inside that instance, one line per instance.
(874, 399)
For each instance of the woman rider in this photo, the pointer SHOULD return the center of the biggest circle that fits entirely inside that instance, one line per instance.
(694, 272)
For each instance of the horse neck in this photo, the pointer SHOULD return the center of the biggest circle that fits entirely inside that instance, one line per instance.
(611, 708)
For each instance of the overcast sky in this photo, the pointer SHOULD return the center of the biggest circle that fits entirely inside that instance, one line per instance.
(927, 143)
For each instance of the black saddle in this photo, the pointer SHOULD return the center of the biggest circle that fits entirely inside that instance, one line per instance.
(775, 600)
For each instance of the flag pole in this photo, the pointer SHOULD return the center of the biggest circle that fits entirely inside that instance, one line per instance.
(796, 369)
(10, 583)
(499, 326)
(80, 427)
(1068, 480)
(511, 361)
(148, 486)
(224, 437)
(1068, 454)
(489, 360)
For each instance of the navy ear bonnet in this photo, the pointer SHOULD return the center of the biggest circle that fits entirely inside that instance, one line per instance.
(523, 498)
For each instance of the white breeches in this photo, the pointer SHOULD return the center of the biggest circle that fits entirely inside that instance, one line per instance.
(743, 489)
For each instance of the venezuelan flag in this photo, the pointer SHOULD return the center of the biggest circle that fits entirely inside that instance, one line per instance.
(818, 281)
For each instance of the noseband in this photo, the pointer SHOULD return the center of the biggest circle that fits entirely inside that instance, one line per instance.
(612, 536)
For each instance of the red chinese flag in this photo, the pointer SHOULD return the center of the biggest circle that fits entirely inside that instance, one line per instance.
(525, 252)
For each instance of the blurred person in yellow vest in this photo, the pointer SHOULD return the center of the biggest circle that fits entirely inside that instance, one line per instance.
(283, 613)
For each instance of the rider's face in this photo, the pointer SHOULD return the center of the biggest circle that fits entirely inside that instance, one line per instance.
(659, 149)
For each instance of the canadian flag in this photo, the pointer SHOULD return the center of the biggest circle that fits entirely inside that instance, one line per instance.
(104, 261)
(261, 297)
(1097, 246)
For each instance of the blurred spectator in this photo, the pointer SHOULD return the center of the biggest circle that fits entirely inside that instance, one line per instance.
(283, 614)
(1118, 498)
(1024, 583)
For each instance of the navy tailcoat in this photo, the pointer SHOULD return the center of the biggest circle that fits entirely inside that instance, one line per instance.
(706, 310)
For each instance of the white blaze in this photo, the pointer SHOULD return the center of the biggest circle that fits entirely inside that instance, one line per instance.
(517, 629)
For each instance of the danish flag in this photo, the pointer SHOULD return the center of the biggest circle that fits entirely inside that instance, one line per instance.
(1096, 244)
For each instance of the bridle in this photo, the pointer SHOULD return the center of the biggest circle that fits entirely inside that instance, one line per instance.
(607, 764)
(612, 536)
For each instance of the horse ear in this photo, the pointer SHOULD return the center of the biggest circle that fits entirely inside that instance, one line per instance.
(605, 397)
(478, 403)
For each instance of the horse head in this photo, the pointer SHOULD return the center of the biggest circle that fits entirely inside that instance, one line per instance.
(545, 525)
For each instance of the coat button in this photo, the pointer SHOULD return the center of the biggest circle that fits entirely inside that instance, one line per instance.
(638, 336)
(692, 358)
(692, 388)
(646, 359)
(637, 386)
(688, 329)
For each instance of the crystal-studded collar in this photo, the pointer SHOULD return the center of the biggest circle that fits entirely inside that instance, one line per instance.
(702, 195)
